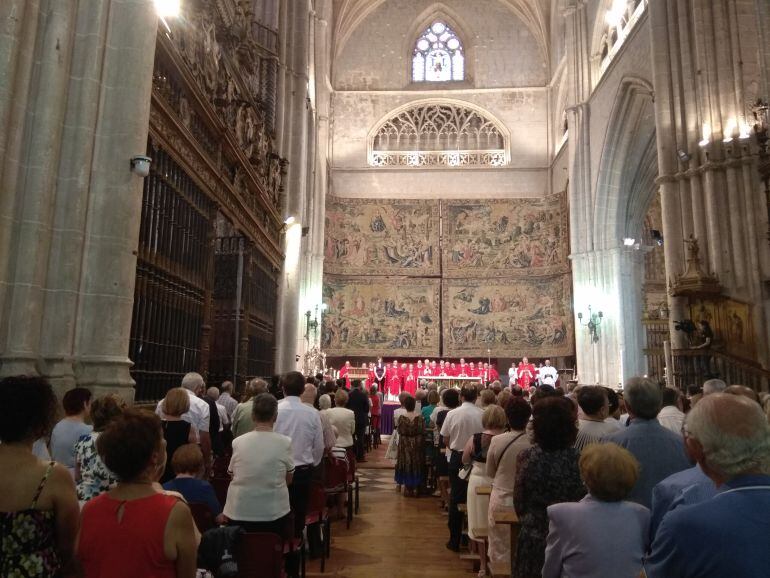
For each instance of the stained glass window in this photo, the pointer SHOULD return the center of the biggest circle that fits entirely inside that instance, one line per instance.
(438, 55)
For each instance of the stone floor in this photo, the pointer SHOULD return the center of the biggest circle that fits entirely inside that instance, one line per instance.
(392, 536)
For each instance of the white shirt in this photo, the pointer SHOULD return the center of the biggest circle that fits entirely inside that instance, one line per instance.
(548, 375)
(670, 417)
(344, 420)
(197, 415)
(513, 373)
(461, 423)
(302, 424)
(229, 402)
(258, 491)
(224, 419)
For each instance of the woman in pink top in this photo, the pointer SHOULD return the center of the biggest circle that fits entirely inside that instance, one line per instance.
(136, 529)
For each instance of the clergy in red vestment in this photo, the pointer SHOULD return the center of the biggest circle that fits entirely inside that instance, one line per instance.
(419, 369)
(452, 370)
(410, 379)
(442, 369)
(433, 368)
(394, 380)
(462, 370)
(472, 371)
(493, 374)
(344, 373)
(370, 379)
(526, 373)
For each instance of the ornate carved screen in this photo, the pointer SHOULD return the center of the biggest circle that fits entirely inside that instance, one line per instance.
(438, 134)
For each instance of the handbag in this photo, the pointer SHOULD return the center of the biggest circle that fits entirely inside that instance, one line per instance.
(465, 472)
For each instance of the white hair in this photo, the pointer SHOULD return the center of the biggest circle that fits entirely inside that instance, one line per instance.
(324, 402)
(193, 381)
(734, 434)
(213, 393)
(714, 386)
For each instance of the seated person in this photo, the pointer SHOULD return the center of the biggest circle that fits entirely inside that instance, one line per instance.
(601, 535)
(76, 403)
(187, 464)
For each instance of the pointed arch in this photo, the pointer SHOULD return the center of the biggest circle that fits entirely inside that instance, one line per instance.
(628, 166)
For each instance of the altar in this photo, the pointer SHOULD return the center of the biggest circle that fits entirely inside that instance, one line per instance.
(386, 417)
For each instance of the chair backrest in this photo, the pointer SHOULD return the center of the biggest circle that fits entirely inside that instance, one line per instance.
(335, 474)
(259, 555)
(316, 503)
(203, 516)
(351, 468)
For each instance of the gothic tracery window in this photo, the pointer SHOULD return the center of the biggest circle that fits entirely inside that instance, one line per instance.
(438, 134)
(438, 55)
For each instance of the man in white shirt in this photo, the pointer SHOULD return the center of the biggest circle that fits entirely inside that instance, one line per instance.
(548, 374)
(302, 424)
(671, 415)
(198, 415)
(513, 374)
(459, 426)
(226, 398)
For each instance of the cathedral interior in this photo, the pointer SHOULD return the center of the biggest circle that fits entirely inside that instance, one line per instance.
(247, 187)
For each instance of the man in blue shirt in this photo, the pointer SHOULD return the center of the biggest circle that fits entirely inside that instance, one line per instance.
(660, 452)
(684, 488)
(729, 534)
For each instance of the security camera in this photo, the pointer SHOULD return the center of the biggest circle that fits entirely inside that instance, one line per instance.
(140, 165)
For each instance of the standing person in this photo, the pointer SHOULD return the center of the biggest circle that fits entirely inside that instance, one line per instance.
(410, 463)
(602, 534)
(344, 371)
(76, 403)
(198, 414)
(593, 425)
(344, 420)
(548, 374)
(513, 374)
(302, 424)
(410, 380)
(226, 398)
(136, 529)
(526, 373)
(728, 534)
(210, 396)
(394, 381)
(38, 506)
(475, 453)
(380, 375)
(359, 403)
(243, 420)
(262, 470)
(91, 475)
(176, 431)
(504, 450)
(375, 407)
(671, 415)
(459, 426)
(546, 474)
(659, 451)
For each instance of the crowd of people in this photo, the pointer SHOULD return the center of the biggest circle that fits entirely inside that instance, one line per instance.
(603, 483)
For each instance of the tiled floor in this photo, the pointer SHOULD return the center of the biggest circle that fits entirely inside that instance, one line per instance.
(392, 536)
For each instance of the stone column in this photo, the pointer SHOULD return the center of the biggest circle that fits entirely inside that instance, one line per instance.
(106, 284)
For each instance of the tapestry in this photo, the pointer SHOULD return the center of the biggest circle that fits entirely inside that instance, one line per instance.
(510, 237)
(370, 316)
(381, 237)
(508, 317)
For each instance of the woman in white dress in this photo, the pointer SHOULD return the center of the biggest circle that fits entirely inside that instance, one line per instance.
(475, 452)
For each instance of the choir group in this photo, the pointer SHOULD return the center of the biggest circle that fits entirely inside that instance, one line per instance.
(392, 378)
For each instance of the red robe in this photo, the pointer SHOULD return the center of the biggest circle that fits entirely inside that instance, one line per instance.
(394, 381)
(410, 382)
(526, 374)
(493, 375)
(473, 372)
(344, 373)
(462, 371)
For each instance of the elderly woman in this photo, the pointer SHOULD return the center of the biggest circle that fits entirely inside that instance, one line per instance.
(91, 475)
(187, 464)
(502, 456)
(546, 474)
(475, 453)
(176, 431)
(38, 506)
(262, 468)
(344, 420)
(410, 463)
(601, 535)
(136, 526)
(242, 421)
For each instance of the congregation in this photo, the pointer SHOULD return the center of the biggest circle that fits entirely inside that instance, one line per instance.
(603, 483)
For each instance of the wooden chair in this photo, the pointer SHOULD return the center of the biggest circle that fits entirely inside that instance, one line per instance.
(317, 512)
(203, 516)
(260, 555)
(336, 482)
(354, 481)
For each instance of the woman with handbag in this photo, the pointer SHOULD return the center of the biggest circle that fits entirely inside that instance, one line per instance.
(475, 456)
(501, 467)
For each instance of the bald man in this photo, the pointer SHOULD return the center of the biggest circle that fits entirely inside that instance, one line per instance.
(729, 534)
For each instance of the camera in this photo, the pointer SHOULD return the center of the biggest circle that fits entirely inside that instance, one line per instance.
(685, 325)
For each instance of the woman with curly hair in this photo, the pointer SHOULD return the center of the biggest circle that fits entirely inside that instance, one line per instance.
(546, 474)
(38, 506)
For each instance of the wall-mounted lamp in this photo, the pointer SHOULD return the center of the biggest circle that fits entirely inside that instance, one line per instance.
(311, 321)
(705, 135)
(140, 165)
(629, 242)
(593, 323)
(290, 220)
(730, 128)
(683, 155)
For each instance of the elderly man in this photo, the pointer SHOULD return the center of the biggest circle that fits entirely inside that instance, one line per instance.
(593, 424)
(226, 398)
(659, 451)
(459, 426)
(243, 422)
(671, 415)
(729, 534)
(713, 386)
(199, 413)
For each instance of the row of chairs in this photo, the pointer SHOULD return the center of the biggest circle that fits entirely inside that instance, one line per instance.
(260, 555)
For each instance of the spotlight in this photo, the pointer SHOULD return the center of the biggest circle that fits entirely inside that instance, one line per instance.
(629, 242)
(289, 220)
(683, 155)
